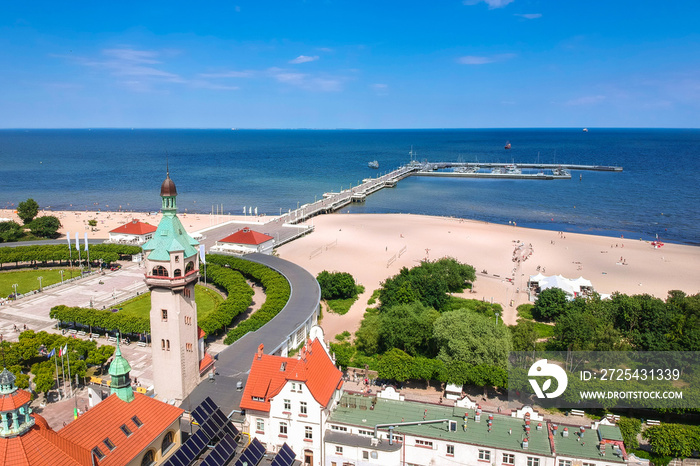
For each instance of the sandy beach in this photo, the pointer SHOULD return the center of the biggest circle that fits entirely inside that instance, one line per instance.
(77, 221)
(374, 247)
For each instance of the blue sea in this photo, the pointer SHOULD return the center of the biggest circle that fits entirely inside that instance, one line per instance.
(276, 170)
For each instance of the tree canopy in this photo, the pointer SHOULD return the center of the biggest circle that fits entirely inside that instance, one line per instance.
(336, 285)
(475, 339)
(45, 227)
(27, 210)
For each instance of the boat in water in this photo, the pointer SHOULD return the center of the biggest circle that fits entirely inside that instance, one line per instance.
(585, 130)
(512, 169)
(507, 145)
(373, 164)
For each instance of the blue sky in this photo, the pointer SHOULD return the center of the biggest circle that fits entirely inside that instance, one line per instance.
(350, 64)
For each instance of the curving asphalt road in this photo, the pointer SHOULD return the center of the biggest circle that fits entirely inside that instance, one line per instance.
(233, 364)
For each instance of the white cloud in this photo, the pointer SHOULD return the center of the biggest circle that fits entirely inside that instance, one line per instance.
(529, 15)
(491, 3)
(303, 59)
(483, 60)
(586, 100)
(307, 81)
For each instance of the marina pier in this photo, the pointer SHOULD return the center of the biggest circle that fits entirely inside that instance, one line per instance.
(289, 226)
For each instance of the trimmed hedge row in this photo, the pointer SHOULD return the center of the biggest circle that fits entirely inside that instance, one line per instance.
(276, 288)
(240, 296)
(59, 252)
(102, 319)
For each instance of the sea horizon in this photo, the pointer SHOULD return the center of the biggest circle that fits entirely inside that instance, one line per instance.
(276, 170)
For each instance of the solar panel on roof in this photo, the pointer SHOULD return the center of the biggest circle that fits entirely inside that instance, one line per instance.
(202, 412)
(252, 455)
(189, 451)
(284, 457)
(214, 424)
(230, 429)
(222, 452)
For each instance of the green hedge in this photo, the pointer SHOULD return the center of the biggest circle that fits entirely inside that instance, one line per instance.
(239, 297)
(59, 252)
(276, 288)
(106, 320)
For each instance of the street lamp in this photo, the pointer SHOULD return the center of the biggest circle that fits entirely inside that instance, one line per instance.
(496, 314)
(15, 286)
(39, 278)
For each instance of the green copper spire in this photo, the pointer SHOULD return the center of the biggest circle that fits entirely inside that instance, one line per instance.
(170, 235)
(119, 370)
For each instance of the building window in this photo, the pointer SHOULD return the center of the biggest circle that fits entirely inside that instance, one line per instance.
(366, 433)
(187, 293)
(189, 267)
(108, 443)
(588, 464)
(177, 273)
(167, 345)
(177, 259)
(162, 344)
(309, 435)
(485, 455)
(137, 421)
(365, 455)
(164, 315)
(451, 450)
(98, 453)
(533, 461)
(188, 347)
(283, 428)
(424, 443)
(508, 458)
(564, 463)
(302, 407)
(160, 271)
(125, 429)
(287, 405)
(338, 450)
(149, 458)
(260, 426)
(339, 428)
(167, 443)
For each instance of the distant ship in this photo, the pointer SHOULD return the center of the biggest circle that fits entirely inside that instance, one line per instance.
(373, 164)
(585, 130)
(507, 145)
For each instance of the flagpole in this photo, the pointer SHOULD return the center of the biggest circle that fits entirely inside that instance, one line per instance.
(70, 381)
(70, 254)
(87, 250)
(77, 246)
(63, 370)
(58, 385)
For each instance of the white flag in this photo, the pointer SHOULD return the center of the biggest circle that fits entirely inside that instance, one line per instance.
(256, 211)
(77, 241)
(243, 210)
(68, 238)
(201, 254)
(250, 210)
(86, 242)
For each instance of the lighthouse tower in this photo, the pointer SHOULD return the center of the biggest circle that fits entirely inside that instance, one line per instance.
(172, 269)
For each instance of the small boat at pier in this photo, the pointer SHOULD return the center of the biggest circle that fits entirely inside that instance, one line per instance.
(373, 164)
(507, 145)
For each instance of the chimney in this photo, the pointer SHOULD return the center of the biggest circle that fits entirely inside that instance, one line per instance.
(260, 351)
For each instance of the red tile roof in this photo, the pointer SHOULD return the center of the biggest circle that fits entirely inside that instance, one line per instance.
(200, 333)
(135, 227)
(206, 362)
(269, 374)
(105, 419)
(247, 236)
(41, 446)
(14, 400)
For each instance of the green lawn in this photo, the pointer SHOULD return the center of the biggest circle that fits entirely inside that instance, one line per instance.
(206, 300)
(543, 330)
(27, 280)
(342, 306)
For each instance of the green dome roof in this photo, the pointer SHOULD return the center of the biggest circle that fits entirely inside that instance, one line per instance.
(119, 366)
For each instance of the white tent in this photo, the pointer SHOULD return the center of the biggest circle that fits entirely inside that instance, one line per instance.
(572, 287)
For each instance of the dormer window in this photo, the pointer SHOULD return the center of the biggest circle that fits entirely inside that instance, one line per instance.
(98, 453)
(125, 429)
(283, 366)
(108, 443)
(258, 398)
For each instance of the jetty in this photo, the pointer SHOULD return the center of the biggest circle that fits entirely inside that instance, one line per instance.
(290, 225)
